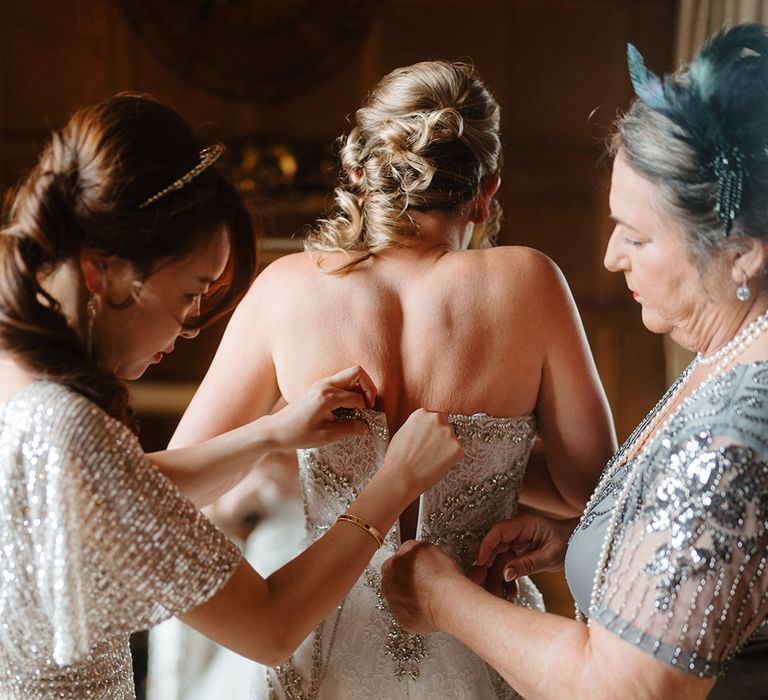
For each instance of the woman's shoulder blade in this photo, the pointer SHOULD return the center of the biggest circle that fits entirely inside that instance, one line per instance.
(524, 270)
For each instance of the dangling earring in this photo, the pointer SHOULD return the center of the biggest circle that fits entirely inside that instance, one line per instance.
(92, 309)
(742, 293)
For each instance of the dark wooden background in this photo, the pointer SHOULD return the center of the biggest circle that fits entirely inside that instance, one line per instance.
(557, 67)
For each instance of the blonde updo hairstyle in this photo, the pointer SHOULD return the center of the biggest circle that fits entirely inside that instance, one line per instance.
(424, 140)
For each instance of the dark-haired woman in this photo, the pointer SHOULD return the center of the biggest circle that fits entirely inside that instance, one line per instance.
(389, 280)
(112, 242)
(669, 561)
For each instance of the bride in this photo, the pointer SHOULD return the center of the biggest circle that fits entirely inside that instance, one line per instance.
(490, 335)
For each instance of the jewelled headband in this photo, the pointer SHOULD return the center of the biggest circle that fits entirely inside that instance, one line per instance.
(208, 156)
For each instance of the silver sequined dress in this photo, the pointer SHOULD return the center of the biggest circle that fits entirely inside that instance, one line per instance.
(94, 544)
(359, 652)
(686, 579)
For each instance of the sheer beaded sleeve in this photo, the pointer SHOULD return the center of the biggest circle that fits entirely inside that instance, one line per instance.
(113, 546)
(686, 577)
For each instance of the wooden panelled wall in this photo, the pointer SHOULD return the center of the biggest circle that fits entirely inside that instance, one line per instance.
(550, 63)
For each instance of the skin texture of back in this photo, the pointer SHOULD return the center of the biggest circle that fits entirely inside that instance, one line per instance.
(433, 331)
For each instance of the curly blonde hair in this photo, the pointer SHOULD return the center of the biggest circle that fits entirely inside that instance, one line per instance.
(424, 139)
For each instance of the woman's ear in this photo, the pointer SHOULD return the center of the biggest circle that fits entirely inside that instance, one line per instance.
(93, 268)
(488, 187)
(749, 260)
(113, 278)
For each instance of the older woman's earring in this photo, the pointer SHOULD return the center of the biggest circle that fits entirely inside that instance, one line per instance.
(742, 293)
(92, 310)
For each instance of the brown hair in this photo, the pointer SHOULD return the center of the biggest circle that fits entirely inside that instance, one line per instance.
(85, 193)
(424, 140)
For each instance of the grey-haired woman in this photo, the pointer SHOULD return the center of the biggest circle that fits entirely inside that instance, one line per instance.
(668, 561)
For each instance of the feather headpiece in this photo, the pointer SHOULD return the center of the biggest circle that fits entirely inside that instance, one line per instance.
(716, 104)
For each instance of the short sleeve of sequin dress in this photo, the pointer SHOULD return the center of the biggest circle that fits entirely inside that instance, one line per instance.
(101, 542)
(686, 579)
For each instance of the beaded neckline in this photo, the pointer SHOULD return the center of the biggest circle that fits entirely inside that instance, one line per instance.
(462, 416)
(490, 428)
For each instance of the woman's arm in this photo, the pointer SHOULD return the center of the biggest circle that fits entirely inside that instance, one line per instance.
(541, 655)
(240, 384)
(227, 419)
(574, 421)
(267, 619)
(205, 471)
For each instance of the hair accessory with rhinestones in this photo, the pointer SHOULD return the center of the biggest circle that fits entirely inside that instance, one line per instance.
(208, 156)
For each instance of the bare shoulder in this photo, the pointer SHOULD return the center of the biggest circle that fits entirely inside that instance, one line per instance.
(279, 278)
(521, 258)
(285, 268)
(526, 269)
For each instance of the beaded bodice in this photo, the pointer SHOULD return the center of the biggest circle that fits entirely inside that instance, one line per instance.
(360, 651)
(457, 511)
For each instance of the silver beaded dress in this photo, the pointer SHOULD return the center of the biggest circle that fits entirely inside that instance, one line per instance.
(94, 544)
(686, 577)
(359, 652)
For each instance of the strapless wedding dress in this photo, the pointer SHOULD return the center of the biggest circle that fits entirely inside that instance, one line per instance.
(359, 652)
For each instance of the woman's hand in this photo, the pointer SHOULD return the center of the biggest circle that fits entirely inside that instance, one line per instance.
(521, 546)
(308, 421)
(423, 450)
(411, 579)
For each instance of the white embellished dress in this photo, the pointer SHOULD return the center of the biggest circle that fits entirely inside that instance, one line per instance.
(359, 652)
(94, 544)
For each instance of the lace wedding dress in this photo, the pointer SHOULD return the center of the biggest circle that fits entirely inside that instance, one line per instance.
(359, 652)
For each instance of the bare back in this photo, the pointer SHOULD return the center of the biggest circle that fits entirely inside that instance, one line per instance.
(493, 331)
(452, 334)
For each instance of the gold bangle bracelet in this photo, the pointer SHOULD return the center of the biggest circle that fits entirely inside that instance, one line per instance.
(365, 525)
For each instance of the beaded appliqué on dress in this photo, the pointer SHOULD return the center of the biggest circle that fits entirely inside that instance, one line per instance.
(404, 649)
(371, 656)
(686, 575)
(289, 678)
(440, 529)
(694, 478)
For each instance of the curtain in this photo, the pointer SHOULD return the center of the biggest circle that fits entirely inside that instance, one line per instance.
(698, 19)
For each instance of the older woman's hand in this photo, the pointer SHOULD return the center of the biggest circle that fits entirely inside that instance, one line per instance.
(411, 579)
(521, 546)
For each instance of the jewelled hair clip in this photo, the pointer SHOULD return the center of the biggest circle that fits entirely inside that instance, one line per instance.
(727, 163)
(208, 156)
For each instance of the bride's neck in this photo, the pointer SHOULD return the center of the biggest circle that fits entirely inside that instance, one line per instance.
(438, 231)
